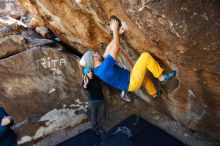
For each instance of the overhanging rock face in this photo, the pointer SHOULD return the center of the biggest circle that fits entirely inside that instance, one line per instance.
(183, 35)
(40, 85)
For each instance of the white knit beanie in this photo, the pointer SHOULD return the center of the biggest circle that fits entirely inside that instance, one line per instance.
(87, 59)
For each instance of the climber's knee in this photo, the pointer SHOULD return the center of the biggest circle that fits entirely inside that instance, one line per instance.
(145, 54)
(134, 86)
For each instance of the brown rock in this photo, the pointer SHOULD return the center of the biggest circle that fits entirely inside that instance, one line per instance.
(43, 31)
(41, 87)
(35, 84)
(153, 24)
(12, 45)
(10, 8)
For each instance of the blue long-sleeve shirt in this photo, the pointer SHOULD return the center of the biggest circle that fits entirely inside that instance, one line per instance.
(112, 74)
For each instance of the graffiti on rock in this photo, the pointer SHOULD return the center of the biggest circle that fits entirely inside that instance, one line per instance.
(53, 64)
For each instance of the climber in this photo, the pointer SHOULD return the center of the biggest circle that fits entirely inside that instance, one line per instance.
(96, 103)
(112, 74)
(7, 135)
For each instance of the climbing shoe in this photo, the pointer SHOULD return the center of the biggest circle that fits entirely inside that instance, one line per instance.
(125, 96)
(169, 76)
(159, 92)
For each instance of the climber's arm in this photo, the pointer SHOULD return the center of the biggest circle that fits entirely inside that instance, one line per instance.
(107, 52)
(113, 47)
(107, 49)
(114, 51)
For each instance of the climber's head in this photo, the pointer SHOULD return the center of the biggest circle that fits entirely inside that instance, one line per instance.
(89, 58)
(97, 56)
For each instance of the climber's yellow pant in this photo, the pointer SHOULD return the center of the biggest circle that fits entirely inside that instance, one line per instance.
(138, 74)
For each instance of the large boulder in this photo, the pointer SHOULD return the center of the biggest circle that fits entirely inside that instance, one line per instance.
(40, 86)
(182, 35)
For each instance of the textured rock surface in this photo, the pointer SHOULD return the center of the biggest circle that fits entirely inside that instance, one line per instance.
(183, 35)
(10, 8)
(39, 85)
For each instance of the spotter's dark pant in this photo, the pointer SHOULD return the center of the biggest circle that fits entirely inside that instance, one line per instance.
(97, 113)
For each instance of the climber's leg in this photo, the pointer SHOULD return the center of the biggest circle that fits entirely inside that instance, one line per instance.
(149, 86)
(144, 62)
(152, 65)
